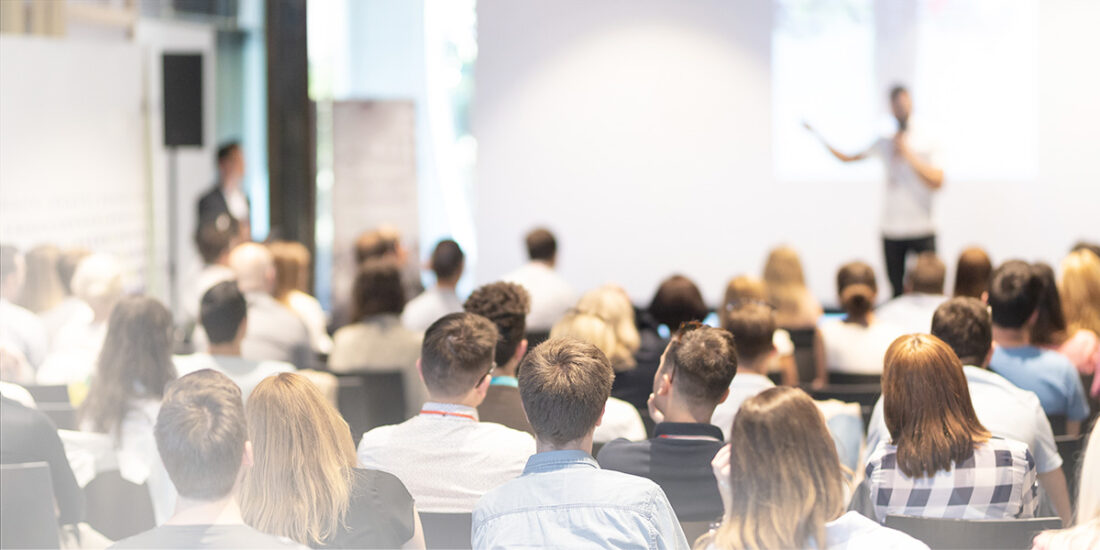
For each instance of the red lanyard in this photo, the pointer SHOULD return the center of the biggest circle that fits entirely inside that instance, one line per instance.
(446, 413)
(696, 437)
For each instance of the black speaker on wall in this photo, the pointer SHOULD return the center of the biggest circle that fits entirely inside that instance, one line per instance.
(182, 74)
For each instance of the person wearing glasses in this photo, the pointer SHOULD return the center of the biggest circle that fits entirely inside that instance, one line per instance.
(445, 456)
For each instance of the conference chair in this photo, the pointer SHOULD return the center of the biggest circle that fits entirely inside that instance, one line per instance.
(367, 400)
(1057, 423)
(452, 531)
(118, 508)
(535, 338)
(63, 415)
(49, 393)
(695, 529)
(938, 533)
(1071, 448)
(803, 340)
(864, 394)
(850, 379)
(27, 507)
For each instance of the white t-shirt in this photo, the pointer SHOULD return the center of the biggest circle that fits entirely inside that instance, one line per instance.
(551, 296)
(910, 312)
(422, 311)
(620, 419)
(856, 349)
(246, 373)
(744, 386)
(907, 206)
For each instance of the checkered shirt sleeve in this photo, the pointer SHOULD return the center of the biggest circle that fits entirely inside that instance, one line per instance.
(998, 481)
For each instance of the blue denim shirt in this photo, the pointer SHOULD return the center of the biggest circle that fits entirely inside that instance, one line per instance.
(564, 500)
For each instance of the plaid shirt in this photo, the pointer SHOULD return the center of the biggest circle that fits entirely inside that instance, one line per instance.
(997, 482)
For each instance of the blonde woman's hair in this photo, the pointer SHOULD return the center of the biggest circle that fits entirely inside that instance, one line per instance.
(744, 288)
(291, 268)
(611, 304)
(784, 281)
(300, 483)
(587, 328)
(785, 480)
(1081, 291)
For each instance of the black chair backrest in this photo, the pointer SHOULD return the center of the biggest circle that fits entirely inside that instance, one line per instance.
(864, 394)
(118, 508)
(695, 529)
(371, 399)
(1057, 423)
(1071, 448)
(63, 415)
(535, 338)
(803, 340)
(447, 530)
(973, 534)
(27, 507)
(49, 394)
(847, 379)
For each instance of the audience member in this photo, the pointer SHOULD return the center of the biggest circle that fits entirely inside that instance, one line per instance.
(1086, 245)
(1006, 411)
(447, 263)
(384, 243)
(676, 302)
(620, 419)
(126, 391)
(98, 282)
(752, 325)
(42, 288)
(856, 343)
(224, 318)
(940, 461)
(292, 268)
(745, 289)
(1014, 295)
(612, 304)
(563, 499)
(227, 205)
(28, 435)
(214, 243)
(1084, 532)
(924, 283)
(506, 305)
(377, 341)
(782, 485)
(1051, 331)
(70, 308)
(444, 455)
(1080, 290)
(972, 273)
(551, 295)
(203, 439)
(274, 332)
(304, 483)
(796, 307)
(693, 378)
(19, 328)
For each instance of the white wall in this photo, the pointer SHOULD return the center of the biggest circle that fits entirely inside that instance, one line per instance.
(640, 132)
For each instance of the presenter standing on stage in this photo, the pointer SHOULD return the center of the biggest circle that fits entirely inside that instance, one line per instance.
(912, 177)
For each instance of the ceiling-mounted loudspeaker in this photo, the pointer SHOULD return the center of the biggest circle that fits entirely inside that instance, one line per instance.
(182, 79)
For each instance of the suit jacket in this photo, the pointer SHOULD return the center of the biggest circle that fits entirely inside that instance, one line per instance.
(502, 405)
(212, 205)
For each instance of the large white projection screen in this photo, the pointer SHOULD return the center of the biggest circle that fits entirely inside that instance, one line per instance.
(644, 134)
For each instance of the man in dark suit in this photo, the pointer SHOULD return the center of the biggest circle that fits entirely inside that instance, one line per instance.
(227, 201)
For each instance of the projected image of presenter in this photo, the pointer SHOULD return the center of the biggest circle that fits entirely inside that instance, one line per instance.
(912, 177)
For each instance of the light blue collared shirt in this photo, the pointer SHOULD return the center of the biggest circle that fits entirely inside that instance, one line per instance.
(564, 500)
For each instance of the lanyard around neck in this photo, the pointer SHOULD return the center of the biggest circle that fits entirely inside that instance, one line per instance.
(449, 413)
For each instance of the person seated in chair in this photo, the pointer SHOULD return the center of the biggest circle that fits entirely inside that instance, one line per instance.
(506, 305)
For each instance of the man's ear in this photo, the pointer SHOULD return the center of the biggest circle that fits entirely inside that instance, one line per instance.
(988, 358)
(420, 370)
(985, 297)
(242, 330)
(664, 383)
(521, 350)
(602, 412)
(483, 386)
(725, 395)
(247, 458)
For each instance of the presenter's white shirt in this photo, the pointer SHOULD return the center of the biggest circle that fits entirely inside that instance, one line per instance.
(853, 348)
(907, 202)
(446, 457)
(551, 296)
(422, 311)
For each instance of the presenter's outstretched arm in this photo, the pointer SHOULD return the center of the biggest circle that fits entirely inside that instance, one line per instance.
(930, 174)
(839, 155)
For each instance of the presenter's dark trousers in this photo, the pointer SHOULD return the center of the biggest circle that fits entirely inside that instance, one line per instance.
(896, 250)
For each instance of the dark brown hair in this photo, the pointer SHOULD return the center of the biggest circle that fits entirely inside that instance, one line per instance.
(201, 433)
(135, 362)
(1050, 324)
(213, 240)
(564, 384)
(964, 324)
(972, 273)
(507, 306)
(1014, 294)
(457, 353)
(541, 244)
(753, 327)
(377, 289)
(856, 286)
(676, 302)
(927, 407)
(702, 361)
(292, 260)
(447, 259)
(928, 274)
